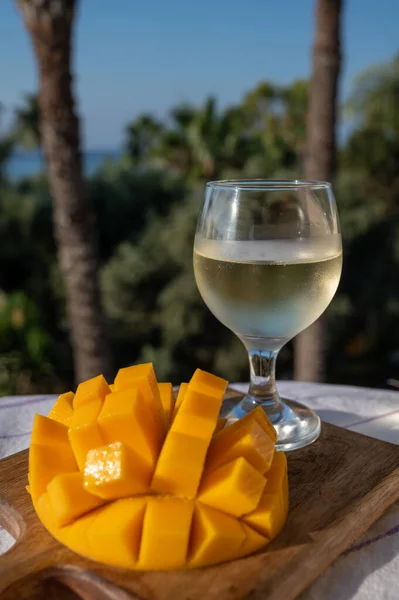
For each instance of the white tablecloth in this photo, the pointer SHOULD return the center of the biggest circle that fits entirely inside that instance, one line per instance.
(370, 570)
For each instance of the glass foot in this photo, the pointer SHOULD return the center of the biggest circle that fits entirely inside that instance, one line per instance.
(296, 425)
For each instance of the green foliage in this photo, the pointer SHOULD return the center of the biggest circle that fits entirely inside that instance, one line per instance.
(147, 205)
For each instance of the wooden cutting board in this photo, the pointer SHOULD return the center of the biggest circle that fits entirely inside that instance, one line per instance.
(339, 486)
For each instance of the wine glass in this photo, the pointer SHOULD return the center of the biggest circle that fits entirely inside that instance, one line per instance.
(267, 262)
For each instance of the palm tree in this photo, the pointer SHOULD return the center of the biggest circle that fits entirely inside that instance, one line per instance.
(50, 25)
(320, 155)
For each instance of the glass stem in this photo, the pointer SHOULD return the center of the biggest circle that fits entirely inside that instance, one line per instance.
(262, 388)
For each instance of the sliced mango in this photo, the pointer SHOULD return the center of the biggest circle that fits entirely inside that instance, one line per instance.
(215, 537)
(62, 410)
(113, 488)
(175, 472)
(172, 470)
(259, 415)
(253, 541)
(85, 434)
(45, 463)
(271, 512)
(116, 471)
(166, 533)
(220, 425)
(167, 399)
(125, 417)
(115, 533)
(92, 389)
(235, 488)
(249, 440)
(143, 377)
(69, 499)
(47, 432)
(180, 397)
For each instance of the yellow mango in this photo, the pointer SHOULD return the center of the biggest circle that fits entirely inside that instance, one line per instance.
(92, 389)
(276, 473)
(269, 516)
(249, 441)
(234, 488)
(180, 465)
(46, 515)
(166, 533)
(206, 493)
(196, 426)
(86, 413)
(46, 462)
(62, 410)
(85, 433)
(220, 425)
(253, 541)
(174, 470)
(180, 397)
(258, 415)
(69, 499)
(116, 471)
(76, 535)
(167, 399)
(47, 432)
(143, 377)
(208, 384)
(215, 536)
(115, 533)
(125, 417)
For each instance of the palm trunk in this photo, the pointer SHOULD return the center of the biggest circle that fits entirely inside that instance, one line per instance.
(50, 24)
(320, 156)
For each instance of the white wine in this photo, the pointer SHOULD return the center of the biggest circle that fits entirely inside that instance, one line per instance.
(268, 289)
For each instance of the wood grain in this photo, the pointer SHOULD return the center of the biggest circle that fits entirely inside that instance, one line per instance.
(339, 486)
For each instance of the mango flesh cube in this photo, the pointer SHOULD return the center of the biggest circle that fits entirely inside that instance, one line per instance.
(269, 516)
(188, 424)
(276, 473)
(125, 417)
(258, 415)
(62, 410)
(249, 441)
(181, 460)
(83, 439)
(208, 384)
(180, 397)
(76, 535)
(86, 413)
(143, 377)
(47, 432)
(115, 533)
(92, 389)
(45, 463)
(180, 465)
(253, 541)
(116, 471)
(46, 515)
(215, 537)
(234, 488)
(167, 399)
(69, 499)
(166, 533)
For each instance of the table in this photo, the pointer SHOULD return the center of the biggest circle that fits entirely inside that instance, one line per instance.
(369, 570)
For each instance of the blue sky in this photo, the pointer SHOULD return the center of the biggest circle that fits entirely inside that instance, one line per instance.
(146, 55)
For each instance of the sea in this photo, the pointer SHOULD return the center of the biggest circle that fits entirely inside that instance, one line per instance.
(27, 163)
